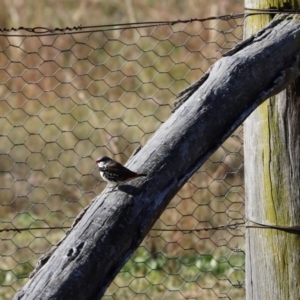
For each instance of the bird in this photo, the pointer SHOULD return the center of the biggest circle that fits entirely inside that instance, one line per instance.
(115, 173)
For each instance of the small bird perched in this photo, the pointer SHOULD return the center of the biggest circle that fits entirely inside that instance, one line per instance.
(114, 173)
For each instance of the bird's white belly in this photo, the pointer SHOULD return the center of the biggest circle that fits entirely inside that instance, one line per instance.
(109, 181)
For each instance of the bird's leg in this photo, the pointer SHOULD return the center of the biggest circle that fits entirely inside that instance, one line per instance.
(116, 185)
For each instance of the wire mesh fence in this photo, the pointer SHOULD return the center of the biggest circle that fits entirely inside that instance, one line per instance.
(70, 96)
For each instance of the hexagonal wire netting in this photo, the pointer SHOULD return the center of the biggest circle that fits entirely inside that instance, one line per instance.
(68, 98)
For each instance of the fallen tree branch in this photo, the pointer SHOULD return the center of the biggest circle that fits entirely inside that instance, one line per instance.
(93, 252)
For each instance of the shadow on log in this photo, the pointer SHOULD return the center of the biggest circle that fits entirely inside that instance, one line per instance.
(106, 235)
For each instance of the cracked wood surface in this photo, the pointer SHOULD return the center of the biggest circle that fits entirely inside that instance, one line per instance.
(113, 226)
(272, 181)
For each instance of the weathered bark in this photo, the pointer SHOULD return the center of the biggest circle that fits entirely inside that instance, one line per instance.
(112, 228)
(272, 177)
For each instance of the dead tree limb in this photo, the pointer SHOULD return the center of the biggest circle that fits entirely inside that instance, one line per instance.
(94, 251)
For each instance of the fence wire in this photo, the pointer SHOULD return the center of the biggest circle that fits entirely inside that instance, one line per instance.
(67, 99)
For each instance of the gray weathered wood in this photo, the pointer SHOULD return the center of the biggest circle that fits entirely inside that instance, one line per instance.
(272, 177)
(90, 256)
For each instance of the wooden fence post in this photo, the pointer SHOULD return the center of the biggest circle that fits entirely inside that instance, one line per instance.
(272, 177)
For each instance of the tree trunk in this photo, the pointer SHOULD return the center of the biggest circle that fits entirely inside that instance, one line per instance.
(93, 252)
(272, 177)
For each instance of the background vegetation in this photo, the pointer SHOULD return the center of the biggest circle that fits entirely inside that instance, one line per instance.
(66, 99)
